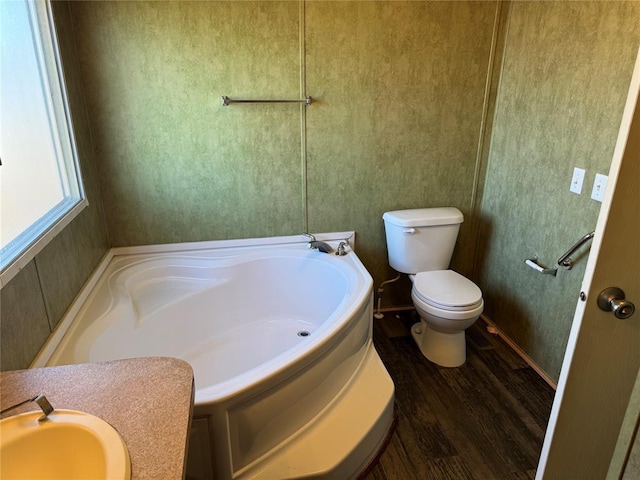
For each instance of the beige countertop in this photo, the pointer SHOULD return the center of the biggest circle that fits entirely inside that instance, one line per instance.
(149, 401)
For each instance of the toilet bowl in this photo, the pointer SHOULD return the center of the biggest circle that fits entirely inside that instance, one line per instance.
(420, 243)
(447, 304)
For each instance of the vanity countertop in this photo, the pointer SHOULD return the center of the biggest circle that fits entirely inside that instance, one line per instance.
(149, 401)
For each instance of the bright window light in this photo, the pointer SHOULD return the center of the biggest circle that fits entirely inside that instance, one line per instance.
(40, 186)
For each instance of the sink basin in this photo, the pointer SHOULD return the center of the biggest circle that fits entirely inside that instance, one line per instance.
(66, 445)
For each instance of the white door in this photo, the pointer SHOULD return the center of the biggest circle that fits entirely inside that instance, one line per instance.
(603, 354)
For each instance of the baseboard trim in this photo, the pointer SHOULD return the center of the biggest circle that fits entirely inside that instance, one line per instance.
(521, 353)
(498, 331)
(401, 308)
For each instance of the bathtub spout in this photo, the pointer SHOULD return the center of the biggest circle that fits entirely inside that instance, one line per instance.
(317, 244)
(320, 246)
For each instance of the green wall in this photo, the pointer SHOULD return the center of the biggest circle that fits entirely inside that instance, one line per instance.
(564, 80)
(402, 88)
(486, 106)
(174, 164)
(395, 119)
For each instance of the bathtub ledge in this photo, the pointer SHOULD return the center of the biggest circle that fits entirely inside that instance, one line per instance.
(357, 423)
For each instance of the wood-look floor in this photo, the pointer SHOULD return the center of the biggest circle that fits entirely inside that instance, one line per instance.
(484, 420)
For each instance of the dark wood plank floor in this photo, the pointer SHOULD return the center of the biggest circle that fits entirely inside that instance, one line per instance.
(484, 420)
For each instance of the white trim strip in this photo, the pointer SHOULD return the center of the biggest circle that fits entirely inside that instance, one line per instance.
(245, 242)
(37, 246)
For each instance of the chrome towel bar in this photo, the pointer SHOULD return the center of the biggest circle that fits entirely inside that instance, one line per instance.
(226, 101)
(565, 260)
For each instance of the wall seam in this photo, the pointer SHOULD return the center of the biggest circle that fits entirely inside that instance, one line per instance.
(486, 133)
(303, 115)
(47, 310)
(485, 106)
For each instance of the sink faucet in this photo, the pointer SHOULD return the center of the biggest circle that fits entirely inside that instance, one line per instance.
(317, 244)
(42, 402)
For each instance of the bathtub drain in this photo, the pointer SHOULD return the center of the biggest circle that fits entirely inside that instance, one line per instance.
(304, 333)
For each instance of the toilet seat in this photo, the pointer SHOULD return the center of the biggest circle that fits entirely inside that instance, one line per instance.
(447, 290)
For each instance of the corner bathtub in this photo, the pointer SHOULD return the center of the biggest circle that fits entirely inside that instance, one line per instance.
(288, 383)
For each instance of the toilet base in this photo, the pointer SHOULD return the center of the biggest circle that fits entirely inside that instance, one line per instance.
(444, 349)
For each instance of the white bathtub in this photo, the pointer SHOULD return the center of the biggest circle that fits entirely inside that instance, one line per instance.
(288, 383)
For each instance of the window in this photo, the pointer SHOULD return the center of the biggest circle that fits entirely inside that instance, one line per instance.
(40, 185)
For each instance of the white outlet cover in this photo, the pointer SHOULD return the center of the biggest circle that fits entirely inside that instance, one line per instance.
(577, 180)
(599, 186)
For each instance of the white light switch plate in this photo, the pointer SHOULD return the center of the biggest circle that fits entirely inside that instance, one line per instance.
(599, 186)
(577, 180)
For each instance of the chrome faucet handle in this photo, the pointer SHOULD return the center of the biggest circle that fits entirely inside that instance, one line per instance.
(42, 402)
(45, 405)
(312, 241)
(341, 252)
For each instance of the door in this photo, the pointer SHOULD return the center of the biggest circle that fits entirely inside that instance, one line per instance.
(603, 353)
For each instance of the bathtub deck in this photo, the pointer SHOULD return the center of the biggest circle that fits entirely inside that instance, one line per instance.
(485, 420)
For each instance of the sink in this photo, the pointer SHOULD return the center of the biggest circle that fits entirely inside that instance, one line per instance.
(66, 445)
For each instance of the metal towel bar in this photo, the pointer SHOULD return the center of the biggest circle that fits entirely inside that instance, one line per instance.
(226, 101)
(565, 260)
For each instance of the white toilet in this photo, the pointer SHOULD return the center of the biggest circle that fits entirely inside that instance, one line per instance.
(420, 243)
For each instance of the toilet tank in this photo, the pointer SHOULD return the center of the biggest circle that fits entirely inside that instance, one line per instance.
(421, 239)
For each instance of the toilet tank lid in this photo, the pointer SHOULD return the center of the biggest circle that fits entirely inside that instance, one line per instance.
(424, 217)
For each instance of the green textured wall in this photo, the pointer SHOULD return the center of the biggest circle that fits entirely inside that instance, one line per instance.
(398, 89)
(175, 165)
(564, 80)
(402, 88)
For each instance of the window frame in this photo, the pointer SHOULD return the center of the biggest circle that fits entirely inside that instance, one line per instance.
(24, 248)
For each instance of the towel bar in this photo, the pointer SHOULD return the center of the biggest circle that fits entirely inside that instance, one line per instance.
(565, 260)
(226, 101)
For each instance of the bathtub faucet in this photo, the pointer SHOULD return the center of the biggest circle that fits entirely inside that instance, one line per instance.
(317, 244)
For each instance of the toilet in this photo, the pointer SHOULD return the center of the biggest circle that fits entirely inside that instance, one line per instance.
(420, 243)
